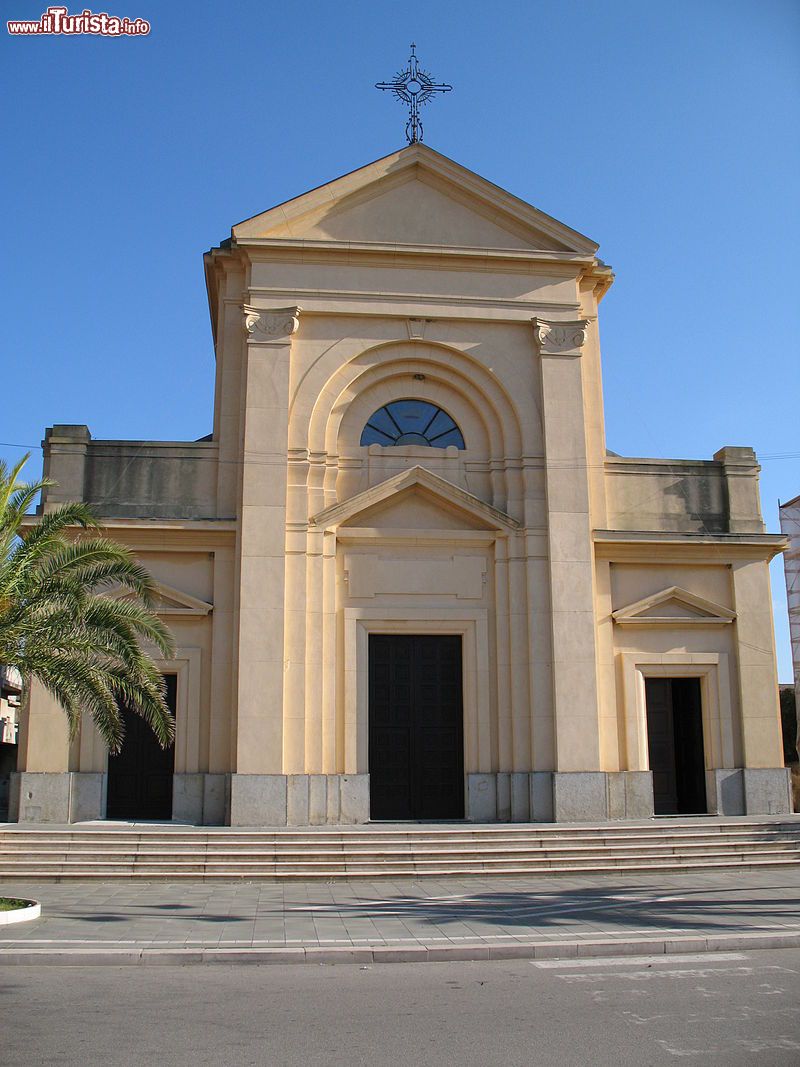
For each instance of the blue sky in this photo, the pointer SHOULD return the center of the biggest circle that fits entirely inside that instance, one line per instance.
(668, 133)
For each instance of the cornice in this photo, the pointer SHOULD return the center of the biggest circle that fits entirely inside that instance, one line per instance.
(121, 444)
(645, 546)
(164, 534)
(412, 298)
(642, 464)
(404, 305)
(396, 249)
(364, 535)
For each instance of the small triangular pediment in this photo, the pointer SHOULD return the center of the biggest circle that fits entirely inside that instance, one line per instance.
(415, 197)
(416, 509)
(170, 601)
(415, 500)
(673, 607)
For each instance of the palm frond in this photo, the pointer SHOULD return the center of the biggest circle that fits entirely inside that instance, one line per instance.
(100, 562)
(53, 523)
(84, 646)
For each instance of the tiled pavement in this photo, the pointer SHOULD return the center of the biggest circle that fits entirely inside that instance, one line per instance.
(424, 914)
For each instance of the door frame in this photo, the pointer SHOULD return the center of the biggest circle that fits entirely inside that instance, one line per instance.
(471, 624)
(712, 668)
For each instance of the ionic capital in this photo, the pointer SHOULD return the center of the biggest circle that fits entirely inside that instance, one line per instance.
(270, 324)
(559, 338)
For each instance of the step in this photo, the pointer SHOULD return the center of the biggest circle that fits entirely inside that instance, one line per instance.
(710, 825)
(416, 861)
(370, 842)
(404, 851)
(454, 848)
(453, 854)
(375, 875)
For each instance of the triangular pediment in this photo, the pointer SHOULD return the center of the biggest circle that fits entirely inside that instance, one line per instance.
(170, 601)
(673, 607)
(415, 500)
(416, 509)
(415, 197)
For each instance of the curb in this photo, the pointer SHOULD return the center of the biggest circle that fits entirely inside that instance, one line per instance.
(535, 950)
(21, 915)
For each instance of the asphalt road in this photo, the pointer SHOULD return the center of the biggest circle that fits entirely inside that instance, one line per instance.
(716, 1008)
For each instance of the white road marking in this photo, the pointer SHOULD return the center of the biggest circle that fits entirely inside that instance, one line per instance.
(638, 961)
(768, 1044)
(674, 973)
(674, 1051)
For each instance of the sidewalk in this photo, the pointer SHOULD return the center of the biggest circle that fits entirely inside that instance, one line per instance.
(429, 919)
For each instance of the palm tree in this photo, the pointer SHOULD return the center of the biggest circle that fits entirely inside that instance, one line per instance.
(58, 627)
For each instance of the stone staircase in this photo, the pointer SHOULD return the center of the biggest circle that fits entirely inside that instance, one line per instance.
(104, 852)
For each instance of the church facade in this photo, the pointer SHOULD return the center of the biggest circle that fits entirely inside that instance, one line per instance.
(405, 577)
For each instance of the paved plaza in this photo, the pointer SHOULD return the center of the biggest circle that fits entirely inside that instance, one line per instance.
(471, 918)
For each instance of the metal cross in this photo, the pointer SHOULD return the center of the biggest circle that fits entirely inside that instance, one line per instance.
(413, 87)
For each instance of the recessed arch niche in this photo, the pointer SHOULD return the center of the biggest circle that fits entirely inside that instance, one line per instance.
(439, 374)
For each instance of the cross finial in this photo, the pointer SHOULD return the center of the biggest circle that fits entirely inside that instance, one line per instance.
(413, 87)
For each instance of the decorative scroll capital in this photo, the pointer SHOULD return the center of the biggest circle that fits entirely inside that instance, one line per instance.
(557, 338)
(270, 324)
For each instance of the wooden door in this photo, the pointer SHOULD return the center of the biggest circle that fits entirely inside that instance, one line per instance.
(416, 727)
(661, 745)
(690, 763)
(140, 775)
(675, 745)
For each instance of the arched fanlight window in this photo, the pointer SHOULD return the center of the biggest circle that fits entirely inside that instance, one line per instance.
(411, 422)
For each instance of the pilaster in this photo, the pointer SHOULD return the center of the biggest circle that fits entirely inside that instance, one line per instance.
(575, 690)
(228, 389)
(505, 749)
(65, 448)
(332, 736)
(44, 741)
(222, 643)
(262, 537)
(758, 681)
(520, 654)
(741, 479)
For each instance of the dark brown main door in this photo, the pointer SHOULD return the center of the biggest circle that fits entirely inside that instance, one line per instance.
(675, 744)
(140, 775)
(416, 727)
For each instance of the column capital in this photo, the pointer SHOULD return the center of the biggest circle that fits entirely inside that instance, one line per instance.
(559, 338)
(270, 324)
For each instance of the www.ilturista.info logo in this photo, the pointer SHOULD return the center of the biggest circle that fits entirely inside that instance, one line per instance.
(56, 20)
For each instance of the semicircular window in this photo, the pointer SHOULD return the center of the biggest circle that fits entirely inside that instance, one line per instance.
(411, 422)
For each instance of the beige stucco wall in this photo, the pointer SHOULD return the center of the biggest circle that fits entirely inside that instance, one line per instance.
(790, 525)
(698, 496)
(292, 542)
(631, 583)
(157, 479)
